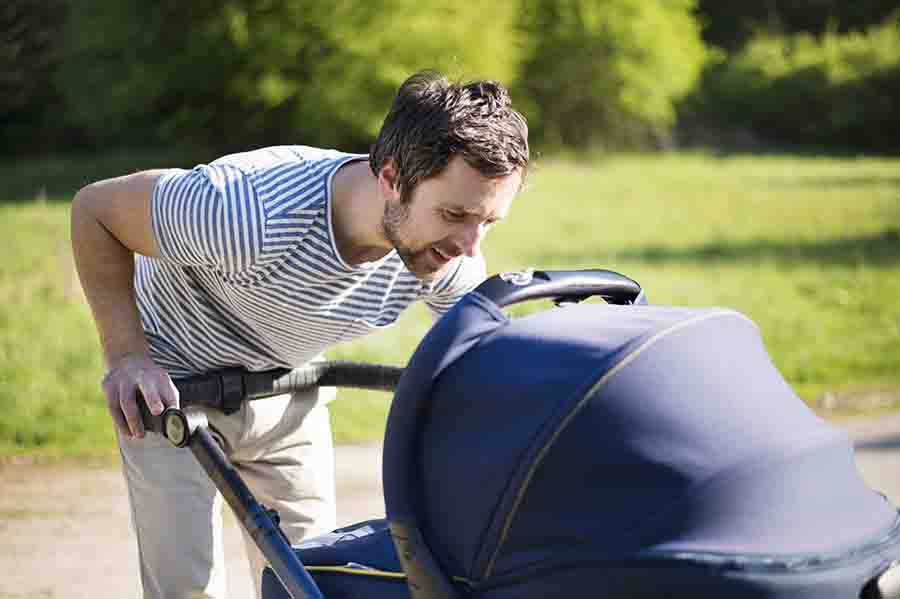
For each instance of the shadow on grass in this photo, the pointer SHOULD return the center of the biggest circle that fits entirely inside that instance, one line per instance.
(879, 249)
(825, 183)
(57, 178)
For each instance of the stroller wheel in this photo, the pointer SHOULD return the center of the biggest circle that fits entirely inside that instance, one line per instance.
(884, 586)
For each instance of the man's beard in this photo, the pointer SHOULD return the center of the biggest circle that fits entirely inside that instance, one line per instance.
(395, 215)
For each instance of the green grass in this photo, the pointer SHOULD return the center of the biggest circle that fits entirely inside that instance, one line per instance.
(50, 366)
(809, 248)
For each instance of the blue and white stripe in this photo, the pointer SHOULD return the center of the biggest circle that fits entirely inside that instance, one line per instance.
(250, 275)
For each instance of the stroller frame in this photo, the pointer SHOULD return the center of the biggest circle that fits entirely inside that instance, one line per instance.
(188, 427)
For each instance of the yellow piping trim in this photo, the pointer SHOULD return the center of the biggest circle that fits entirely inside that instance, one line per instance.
(359, 571)
(370, 572)
(587, 397)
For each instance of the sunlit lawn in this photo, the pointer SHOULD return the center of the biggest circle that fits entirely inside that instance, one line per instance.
(808, 248)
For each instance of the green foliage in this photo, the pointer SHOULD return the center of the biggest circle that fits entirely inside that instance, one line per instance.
(211, 76)
(29, 54)
(833, 90)
(606, 72)
(251, 72)
(730, 25)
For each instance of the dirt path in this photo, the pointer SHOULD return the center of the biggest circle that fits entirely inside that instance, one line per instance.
(64, 530)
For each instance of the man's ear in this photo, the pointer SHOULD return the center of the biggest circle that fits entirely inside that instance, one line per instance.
(389, 181)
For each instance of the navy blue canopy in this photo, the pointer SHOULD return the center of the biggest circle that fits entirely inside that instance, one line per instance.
(598, 433)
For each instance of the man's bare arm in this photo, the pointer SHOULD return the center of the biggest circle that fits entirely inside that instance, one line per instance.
(111, 221)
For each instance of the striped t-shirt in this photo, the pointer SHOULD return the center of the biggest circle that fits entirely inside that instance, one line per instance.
(250, 274)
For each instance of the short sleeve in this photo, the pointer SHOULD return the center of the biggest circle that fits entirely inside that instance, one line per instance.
(209, 216)
(466, 276)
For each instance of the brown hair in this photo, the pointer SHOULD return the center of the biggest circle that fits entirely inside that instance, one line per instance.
(431, 120)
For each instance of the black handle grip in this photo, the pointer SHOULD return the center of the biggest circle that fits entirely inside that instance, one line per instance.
(506, 289)
(225, 389)
(375, 377)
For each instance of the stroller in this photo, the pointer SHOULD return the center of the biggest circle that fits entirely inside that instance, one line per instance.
(613, 450)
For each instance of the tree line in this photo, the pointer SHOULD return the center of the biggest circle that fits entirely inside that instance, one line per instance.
(610, 74)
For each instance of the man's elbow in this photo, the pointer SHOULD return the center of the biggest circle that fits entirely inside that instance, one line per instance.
(85, 200)
(83, 203)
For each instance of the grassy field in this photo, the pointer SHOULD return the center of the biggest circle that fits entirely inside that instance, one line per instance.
(807, 247)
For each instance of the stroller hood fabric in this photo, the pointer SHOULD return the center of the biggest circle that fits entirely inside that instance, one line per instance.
(600, 434)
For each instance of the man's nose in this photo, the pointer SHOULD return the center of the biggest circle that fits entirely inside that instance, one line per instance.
(470, 238)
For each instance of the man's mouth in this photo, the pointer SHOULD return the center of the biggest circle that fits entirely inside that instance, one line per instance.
(442, 257)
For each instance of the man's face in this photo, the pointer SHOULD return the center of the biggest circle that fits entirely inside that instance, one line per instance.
(447, 216)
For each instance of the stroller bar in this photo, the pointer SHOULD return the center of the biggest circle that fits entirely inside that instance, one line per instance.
(189, 428)
(225, 389)
(562, 285)
(374, 377)
(258, 521)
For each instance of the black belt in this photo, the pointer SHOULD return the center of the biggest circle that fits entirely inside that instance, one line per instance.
(225, 389)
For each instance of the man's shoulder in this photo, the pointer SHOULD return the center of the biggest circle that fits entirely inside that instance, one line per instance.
(273, 156)
(283, 177)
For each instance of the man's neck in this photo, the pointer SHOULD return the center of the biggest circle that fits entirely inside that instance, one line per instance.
(356, 213)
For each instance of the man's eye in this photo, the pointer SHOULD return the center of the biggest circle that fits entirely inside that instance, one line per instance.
(454, 216)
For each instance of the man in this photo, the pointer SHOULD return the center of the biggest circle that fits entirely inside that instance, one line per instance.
(263, 260)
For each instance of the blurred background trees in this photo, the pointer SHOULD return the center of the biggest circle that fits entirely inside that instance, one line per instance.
(249, 72)
(730, 25)
(606, 73)
(590, 74)
(30, 55)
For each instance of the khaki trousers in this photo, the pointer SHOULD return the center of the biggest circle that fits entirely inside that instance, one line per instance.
(283, 450)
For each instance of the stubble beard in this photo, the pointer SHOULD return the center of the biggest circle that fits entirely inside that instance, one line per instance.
(395, 215)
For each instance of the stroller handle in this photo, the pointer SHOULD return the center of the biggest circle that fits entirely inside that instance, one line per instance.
(562, 286)
(335, 373)
(226, 389)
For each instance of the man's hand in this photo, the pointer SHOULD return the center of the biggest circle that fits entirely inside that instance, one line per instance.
(132, 375)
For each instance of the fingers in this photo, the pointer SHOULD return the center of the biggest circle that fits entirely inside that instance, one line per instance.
(150, 392)
(115, 410)
(128, 405)
(168, 394)
(158, 390)
(133, 380)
